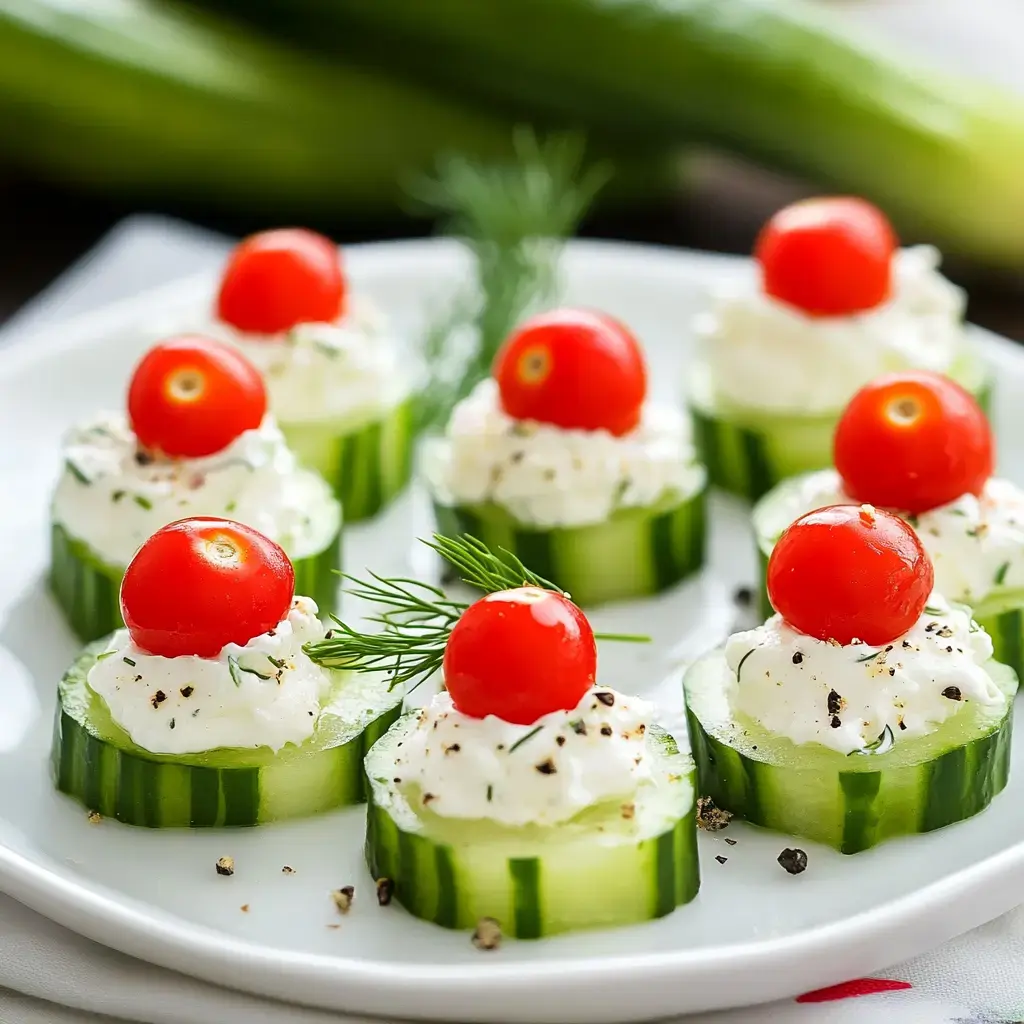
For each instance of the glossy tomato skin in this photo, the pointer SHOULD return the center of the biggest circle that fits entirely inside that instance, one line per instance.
(199, 584)
(520, 654)
(848, 572)
(575, 369)
(191, 396)
(913, 441)
(830, 256)
(277, 279)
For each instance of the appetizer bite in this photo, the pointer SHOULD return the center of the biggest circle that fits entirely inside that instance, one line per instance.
(337, 382)
(524, 793)
(868, 707)
(561, 458)
(837, 303)
(197, 439)
(205, 710)
(918, 444)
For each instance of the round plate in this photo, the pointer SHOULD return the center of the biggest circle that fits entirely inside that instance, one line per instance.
(754, 933)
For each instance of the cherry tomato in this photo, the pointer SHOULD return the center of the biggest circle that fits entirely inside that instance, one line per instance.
(575, 369)
(277, 279)
(192, 396)
(520, 654)
(828, 257)
(913, 441)
(199, 584)
(849, 571)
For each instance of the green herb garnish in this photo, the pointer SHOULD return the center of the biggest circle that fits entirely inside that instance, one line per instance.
(871, 657)
(930, 610)
(514, 220)
(879, 746)
(522, 739)
(1001, 573)
(276, 662)
(142, 501)
(105, 654)
(128, 661)
(236, 669)
(417, 617)
(739, 667)
(77, 472)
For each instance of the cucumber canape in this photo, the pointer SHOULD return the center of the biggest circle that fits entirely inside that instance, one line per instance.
(336, 380)
(523, 793)
(562, 460)
(206, 710)
(869, 707)
(836, 304)
(196, 441)
(918, 442)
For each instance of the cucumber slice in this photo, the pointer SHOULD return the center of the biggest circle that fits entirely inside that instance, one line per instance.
(748, 451)
(367, 464)
(637, 552)
(848, 802)
(95, 761)
(597, 871)
(88, 589)
(1001, 615)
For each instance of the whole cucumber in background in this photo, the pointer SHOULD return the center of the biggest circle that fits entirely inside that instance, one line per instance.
(778, 81)
(149, 98)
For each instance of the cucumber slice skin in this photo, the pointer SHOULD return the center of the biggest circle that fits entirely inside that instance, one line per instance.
(88, 590)
(748, 455)
(840, 801)
(636, 553)
(95, 762)
(367, 466)
(539, 885)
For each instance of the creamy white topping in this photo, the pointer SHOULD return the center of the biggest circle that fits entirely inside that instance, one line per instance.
(844, 697)
(545, 773)
(113, 498)
(547, 476)
(765, 354)
(976, 543)
(266, 693)
(350, 370)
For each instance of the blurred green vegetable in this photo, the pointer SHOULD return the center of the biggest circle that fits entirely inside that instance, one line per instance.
(775, 80)
(146, 97)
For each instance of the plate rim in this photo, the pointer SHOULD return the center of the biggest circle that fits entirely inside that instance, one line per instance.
(563, 990)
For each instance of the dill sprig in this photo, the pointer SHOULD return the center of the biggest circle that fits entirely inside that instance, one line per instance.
(416, 618)
(514, 219)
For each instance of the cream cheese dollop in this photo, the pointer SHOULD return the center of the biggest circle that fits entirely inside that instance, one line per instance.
(845, 697)
(765, 355)
(265, 693)
(112, 496)
(545, 773)
(546, 476)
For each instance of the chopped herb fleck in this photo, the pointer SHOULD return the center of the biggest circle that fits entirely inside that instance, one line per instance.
(870, 657)
(953, 693)
(105, 654)
(710, 817)
(453, 749)
(720, 858)
(385, 890)
(225, 866)
(579, 727)
(287, 870)
(142, 501)
(739, 667)
(128, 661)
(170, 724)
(236, 669)
(276, 662)
(187, 691)
(490, 793)
(94, 817)
(76, 471)
(546, 767)
(522, 739)
(116, 496)
(1001, 573)
(487, 934)
(793, 861)
(730, 842)
(606, 698)
(230, 507)
(930, 610)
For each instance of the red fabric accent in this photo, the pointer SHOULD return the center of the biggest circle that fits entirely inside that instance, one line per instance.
(850, 989)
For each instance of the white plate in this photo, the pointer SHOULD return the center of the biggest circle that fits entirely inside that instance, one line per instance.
(754, 933)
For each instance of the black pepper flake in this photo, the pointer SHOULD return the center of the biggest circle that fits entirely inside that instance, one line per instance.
(794, 861)
(143, 458)
(487, 934)
(579, 727)
(710, 817)
(385, 890)
(892, 670)
(906, 645)
(720, 858)
(945, 632)
(225, 866)
(953, 693)
(397, 781)
(835, 703)
(453, 749)
(560, 740)
(546, 767)
(901, 723)
(797, 658)
(138, 679)
(427, 798)
(342, 898)
(187, 691)
(171, 724)
(287, 870)
(730, 842)
(158, 698)
(606, 698)
(743, 596)
(606, 730)
(835, 723)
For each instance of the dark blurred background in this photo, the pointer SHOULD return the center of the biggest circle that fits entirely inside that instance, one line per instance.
(737, 117)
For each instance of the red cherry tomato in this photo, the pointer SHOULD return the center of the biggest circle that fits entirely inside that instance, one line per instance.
(192, 396)
(849, 571)
(574, 369)
(201, 583)
(277, 279)
(913, 441)
(520, 654)
(828, 257)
